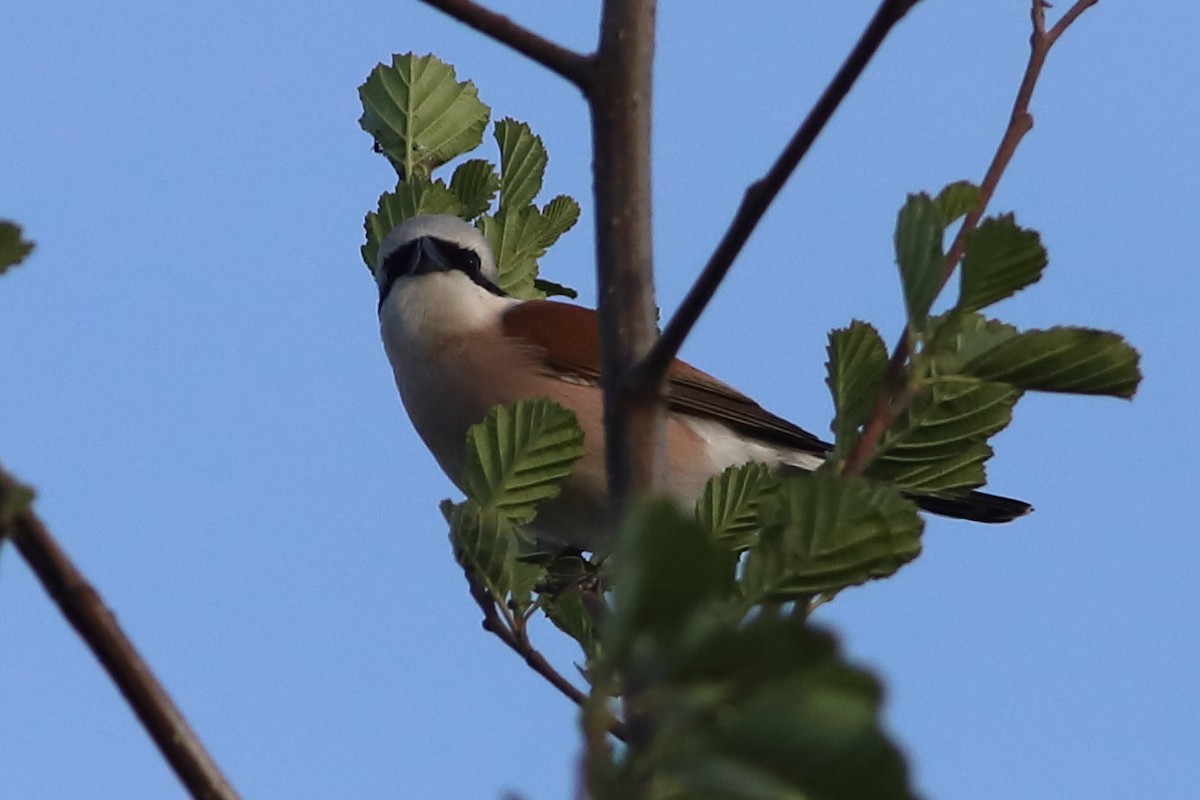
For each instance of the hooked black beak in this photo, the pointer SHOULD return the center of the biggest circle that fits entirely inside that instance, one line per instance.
(427, 254)
(418, 257)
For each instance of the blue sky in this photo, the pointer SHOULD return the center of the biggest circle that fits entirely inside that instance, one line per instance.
(194, 383)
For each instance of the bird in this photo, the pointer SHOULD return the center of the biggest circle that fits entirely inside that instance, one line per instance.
(459, 345)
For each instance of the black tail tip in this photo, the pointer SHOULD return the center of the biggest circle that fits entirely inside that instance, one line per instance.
(977, 507)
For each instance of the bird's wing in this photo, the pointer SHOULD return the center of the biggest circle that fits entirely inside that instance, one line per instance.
(567, 340)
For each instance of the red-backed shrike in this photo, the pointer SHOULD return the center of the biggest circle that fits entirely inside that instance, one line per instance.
(459, 345)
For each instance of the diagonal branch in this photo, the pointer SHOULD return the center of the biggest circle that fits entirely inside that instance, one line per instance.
(571, 65)
(893, 397)
(508, 631)
(87, 613)
(762, 193)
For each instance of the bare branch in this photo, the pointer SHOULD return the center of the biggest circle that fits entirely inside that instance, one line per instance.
(85, 610)
(513, 634)
(571, 65)
(760, 194)
(619, 101)
(893, 397)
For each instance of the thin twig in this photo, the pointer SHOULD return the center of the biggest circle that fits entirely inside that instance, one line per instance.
(760, 194)
(85, 610)
(508, 630)
(571, 65)
(893, 396)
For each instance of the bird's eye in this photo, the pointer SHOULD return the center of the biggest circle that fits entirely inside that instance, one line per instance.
(470, 262)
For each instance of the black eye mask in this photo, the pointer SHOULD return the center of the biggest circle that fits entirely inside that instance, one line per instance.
(428, 254)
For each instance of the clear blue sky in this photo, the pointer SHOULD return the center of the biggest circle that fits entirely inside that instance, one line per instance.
(192, 379)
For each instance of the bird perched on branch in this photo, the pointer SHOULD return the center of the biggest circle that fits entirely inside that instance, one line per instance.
(459, 345)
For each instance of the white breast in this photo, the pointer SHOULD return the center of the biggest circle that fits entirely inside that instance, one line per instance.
(439, 331)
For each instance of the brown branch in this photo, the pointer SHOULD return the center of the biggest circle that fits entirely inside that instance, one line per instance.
(508, 630)
(893, 397)
(85, 610)
(760, 194)
(619, 101)
(571, 65)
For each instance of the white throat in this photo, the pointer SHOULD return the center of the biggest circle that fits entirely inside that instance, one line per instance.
(428, 310)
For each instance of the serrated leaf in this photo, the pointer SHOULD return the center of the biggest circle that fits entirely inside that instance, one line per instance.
(939, 444)
(515, 236)
(518, 455)
(559, 216)
(957, 337)
(854, 374)
(413, 197)
(475, 183)
(1076, 360)
(13, 249)
(1001, 258)
(771, 709)
(957, 200)
(485, 543)
(822, 532)
(570, 616)
(918, 239)
(523, 162)
(420, 115)
(729, 506)
(777, 712)
(670, 567)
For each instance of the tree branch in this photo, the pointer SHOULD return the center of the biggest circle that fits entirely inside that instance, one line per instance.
(760, 194)
(517, 639)
(85, 610)
(619, 101)
(571, 65)
(893, 397)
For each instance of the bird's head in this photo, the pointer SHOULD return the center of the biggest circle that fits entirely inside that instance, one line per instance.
(433, 243)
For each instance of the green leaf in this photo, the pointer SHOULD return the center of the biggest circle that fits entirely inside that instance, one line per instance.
(485, 543)
(559, 216)
(670, 568)
(772, 710)
(854, 374)
(938, 445)
(730, 503)
(413, 197)
(475, 182)
(1077, 360)
(515, 236)
(957, 200)
(822, 532)
(957, 337)
(420, 115)
(570, 616)
(523, 162)
(518, 455)
(13, 248)
(919, 231)
(1001, 259)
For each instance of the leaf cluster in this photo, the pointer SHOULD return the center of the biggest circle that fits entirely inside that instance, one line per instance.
(727, 689)
(516, 458)
(965, 372)
(421, 118)
(735, 693)
(704, 630)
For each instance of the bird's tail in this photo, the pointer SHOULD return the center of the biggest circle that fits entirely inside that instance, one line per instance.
(976, 506)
